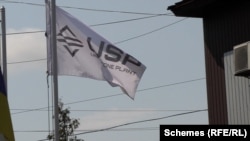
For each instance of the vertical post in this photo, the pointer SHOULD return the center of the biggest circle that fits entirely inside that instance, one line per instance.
(1, 58)
(7, 124)
(4, 55)
(54, 67)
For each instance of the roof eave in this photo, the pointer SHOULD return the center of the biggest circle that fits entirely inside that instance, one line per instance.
(194, 8)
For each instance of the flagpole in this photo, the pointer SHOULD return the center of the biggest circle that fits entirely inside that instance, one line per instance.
(4, 56)
(3, 62)
(54, 67)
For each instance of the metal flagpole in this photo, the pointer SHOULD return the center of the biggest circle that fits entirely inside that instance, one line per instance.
(54, 67)
(3, 59)
(4, 56)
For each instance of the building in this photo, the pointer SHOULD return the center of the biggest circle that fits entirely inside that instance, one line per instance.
(225, 25)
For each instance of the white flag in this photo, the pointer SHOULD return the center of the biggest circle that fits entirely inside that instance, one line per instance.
(82, 52)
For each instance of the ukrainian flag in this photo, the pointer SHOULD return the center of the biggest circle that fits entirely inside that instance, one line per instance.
(5, 120)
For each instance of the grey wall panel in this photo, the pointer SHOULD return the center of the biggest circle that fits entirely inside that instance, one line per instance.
(237, 92)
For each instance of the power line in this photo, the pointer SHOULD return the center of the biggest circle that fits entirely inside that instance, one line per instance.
(19, 2)
(141, 121)
(132, 38)
(167, 85)
(101, 24)
(104, 97)
(147, 33)
(113, 11)
(129, 20)
(87, 9)
(28, 32)
(28, 61)
(121, 129)
(128, 129)
(101, 110)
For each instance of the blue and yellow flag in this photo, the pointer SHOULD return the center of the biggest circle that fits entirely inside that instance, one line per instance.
(5, 120)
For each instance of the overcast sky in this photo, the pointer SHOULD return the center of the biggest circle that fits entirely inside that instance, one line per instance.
(170, 47)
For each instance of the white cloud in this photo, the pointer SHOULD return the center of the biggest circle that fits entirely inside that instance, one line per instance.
(25, 47)
(102, 120)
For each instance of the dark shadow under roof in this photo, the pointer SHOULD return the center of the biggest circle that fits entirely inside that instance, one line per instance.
(202, 8)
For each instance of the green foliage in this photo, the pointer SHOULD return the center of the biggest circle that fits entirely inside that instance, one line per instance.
(67, 125)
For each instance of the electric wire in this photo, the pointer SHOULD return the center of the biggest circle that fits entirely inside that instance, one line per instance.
(28, 61)
(128, 20)
(110, 128)
(146, 89)
(120, 129)
(19, 2)
(135, 122)
(142, 121)
(87, 9)
(119, 42)
(101, 110)
(28, 32)
(147, 33)
(109, 96)
(93, 25)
